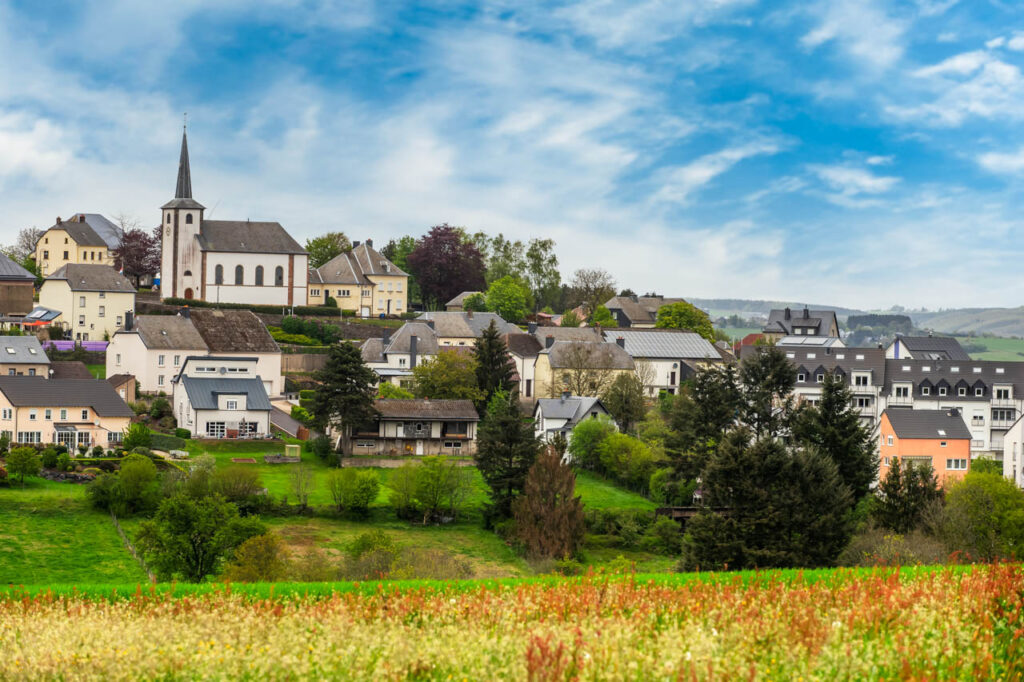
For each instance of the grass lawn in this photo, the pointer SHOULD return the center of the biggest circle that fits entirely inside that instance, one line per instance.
(598, 493)
(49, 534)
(1004, 349)
(98, 371)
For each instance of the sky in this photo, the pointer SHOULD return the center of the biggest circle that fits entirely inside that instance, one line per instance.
(849, 152)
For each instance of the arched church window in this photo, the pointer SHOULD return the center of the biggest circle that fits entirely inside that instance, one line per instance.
(218, 274)
(279, 276)
(188, 273)
(168, 218)
(239, 274)
(188, 218)
(259, 275)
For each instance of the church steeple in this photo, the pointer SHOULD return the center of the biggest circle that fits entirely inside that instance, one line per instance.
(184, 189)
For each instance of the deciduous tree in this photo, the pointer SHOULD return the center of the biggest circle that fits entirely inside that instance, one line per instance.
(591, 287)
(624, 399)
(602, 317)
(684, 315)
(445, 265)
(327, 246)
(22, 462)
(449, 375)
(549, 514)
(138, 254)
(542, 272)
(260, 559)
(587, 370)
(508, 297)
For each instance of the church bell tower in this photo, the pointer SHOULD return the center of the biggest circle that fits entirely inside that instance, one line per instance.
(181, 223)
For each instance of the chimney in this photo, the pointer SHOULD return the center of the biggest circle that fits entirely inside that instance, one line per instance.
(387, 337)
(566, 395)
(929, 333)
(81, 217)
(413, 340)
(549, 341)
(186, 313)
(469, 314)
(59, 221)
(807, 313)
(531, 328)
(355, 244)
(129, 320)
(369, 242)
(621, 342)
(789, 313)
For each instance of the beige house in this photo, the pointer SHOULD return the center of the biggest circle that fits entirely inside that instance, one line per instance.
(420, 427)
(84, 238)
(71, 412)
(93, 300)
(154, 347)
(584, 368)
(361, 280)
(23, 356)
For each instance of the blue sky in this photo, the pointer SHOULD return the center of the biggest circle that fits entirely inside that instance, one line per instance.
(858, 153)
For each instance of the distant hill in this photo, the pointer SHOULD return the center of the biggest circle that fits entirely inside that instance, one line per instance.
(724, 307)
(995, 321)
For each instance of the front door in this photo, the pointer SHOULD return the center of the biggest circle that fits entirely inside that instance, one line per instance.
(189, 294)
(364, 311)
(419, 447)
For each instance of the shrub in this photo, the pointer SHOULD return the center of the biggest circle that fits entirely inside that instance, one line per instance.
(422, 563)
(166, 443)
(92, 471)
(371, 541)
(97, 451)
(880, 547)
(64, 461)
(353, 490)
(136, 435)
(307, 394)
(261, 558)
(160, 408)
(184, 434)
(984, 517)
(48, 457)
(301, 415)
(664, 536)
(321, 447)
(22, 462)
(236, 483)
(403, 491)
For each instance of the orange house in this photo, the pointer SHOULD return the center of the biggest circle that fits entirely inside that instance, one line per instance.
(939, 437)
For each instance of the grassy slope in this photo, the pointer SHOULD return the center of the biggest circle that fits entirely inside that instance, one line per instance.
(996, 348)
(98, 371)
(49, 534)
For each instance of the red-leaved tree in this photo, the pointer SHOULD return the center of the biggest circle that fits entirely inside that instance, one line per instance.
(139, 254)
(549, 513)
(445, 264)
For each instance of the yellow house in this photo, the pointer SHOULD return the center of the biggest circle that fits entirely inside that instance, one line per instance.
(361, 280)
(86, 238)
(582, 368)
(71, 412)
(93, 300)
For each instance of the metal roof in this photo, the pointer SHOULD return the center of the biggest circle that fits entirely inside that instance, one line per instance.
(573, 408)
(202, 393)
(39, 392)
(664, 344)
(800, 340)
(927, 424)
(22, 350)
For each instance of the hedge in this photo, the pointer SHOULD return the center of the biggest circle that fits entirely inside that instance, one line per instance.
(310, 310)
(162, 441)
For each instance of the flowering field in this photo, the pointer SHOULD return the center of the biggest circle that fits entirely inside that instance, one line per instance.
(922, 624)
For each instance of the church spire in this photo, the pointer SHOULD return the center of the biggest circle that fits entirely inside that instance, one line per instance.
(184, 189)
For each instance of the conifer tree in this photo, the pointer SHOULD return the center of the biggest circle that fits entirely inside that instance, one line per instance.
(494, 367)
(699, 418)
(506, 449)
(549, 514)
(767, 378)
(903, 495)
(344, 398)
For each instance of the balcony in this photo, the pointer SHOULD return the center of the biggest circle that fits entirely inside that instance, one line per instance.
(1002, 423)
(1003, 402)
(900, 400)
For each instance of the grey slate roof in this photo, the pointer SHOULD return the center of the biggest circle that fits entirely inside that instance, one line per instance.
(600, 355)
(572, 408)
(202, 393)
(927, 424)
(11, 271)
(568, 334)
(342, 269)
(243, 236)
(668, 343)
(637, 309)
(39, 392)
(822, 320)
(934, 347)
(953, 372)
(170, 332)
(848, 360)
(460, 410)
(465, 324)
(22, 350)
(371, 262)
(523, 345)
(233, 331)
(84, 277)
(90, 229)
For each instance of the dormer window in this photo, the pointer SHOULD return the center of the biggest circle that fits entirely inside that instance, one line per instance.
(976, 370)
(942, 390)
(801, 378)
(821, 378)
(961, 391)
(979, 392)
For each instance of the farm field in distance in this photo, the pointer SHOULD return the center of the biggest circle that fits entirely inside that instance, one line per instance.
(923, 623)
(1005, 349)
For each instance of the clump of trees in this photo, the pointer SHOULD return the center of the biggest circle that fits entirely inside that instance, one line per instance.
(433, 490)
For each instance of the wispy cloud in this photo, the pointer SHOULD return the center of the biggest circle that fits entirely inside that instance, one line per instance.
(680, 182)
(861, 28)
(1003, 162)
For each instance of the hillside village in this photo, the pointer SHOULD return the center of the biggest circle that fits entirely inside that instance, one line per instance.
(339, 387)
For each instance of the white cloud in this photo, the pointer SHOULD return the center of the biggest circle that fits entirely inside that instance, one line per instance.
(928, 8)
(995, 42)
(1003, 162)
(680, 182)
(946, 37)
(853, 187)
(880, 160)
(36, 148)
(861, 28)
(1016, 42)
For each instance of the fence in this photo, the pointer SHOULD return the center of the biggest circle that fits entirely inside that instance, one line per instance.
(304, 362)
(95, 346)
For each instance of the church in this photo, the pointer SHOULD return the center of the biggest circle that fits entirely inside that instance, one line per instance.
(227, 261)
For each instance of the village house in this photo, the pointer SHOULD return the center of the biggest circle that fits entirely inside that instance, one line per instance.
(640, 312)
(153, 347)
(93, 299)
(926, 348)
(665, 358)
(935, 437)
(420, 427)
(787, 322)
(84, 238)
(553, 416)
(221, 397)
(17, 286)
(581, 367)
(463, 329)
(226, 261)
(124, 385)
(69, 412)
(524, 350)
(457, 304)
(23, 356)
(361, 280)
(394, 356)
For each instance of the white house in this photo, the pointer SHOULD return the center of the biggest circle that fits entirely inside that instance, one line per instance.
(227, 261)
(394, 356)
(552, 416)
(664, 358)
(221, 397)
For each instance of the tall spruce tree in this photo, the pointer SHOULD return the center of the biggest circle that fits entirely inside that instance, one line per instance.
(903, 495)
(767, 379)
(345, 396)
(494, 368)
(506, 449)
(769, 506)
(549, 514)
(699, 418)
(833, 427)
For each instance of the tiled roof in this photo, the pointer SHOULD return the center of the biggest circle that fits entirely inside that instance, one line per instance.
(427, 409)
(83, 277)
(927, 424)
(170, 332)
(233, 331)
(568, 334)
(244, 236)
(69, 370)
(663, 343)
(599, 355)
(202, 393)
(465, 324)
(22, 350)
(523, 345)
(38, 392)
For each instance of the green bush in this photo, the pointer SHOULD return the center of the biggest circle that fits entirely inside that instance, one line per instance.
(301, 415)
(371, 541)
(664, 537)
(64, 461)
(307, 394)
(184, 434)
(160, 408)
(321, 447)
(586, 438)
(49, 458)
(353, 490)
(136, 435)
